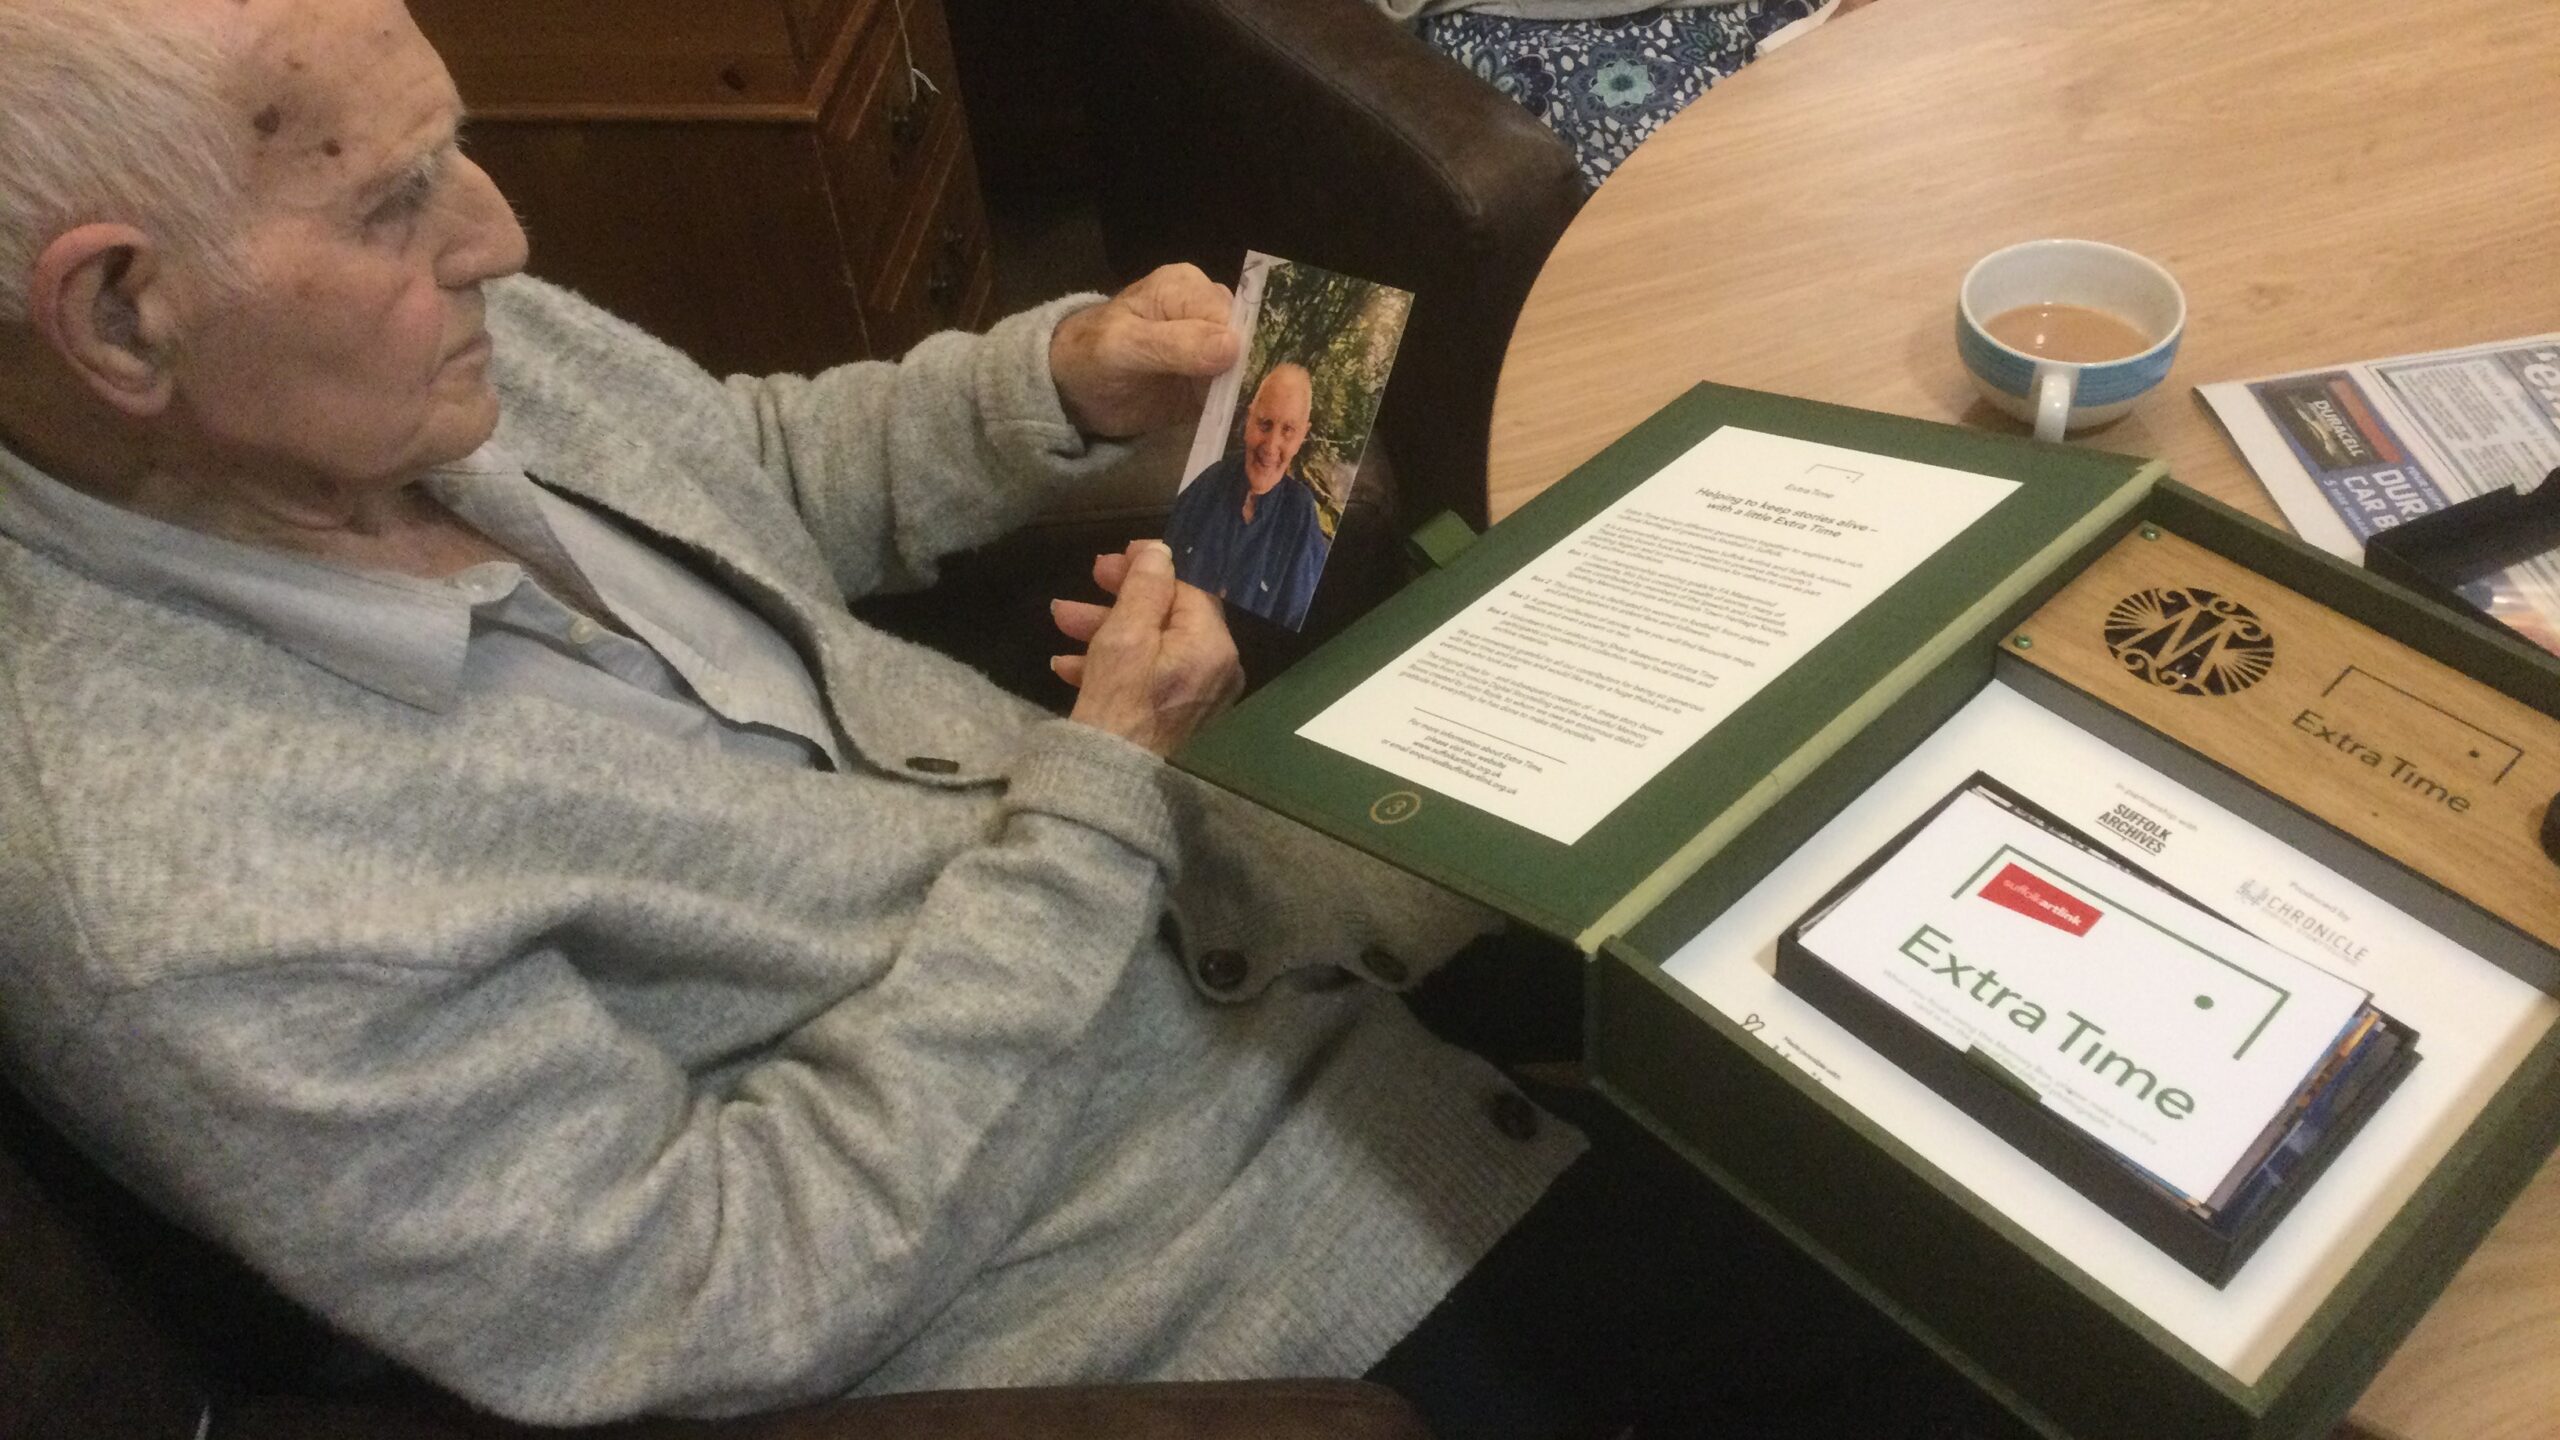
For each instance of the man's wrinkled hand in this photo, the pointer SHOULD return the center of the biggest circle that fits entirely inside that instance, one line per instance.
(1144, 358)
(1158, 661)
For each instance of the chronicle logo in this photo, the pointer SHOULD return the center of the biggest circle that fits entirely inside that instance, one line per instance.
(2194, 642)
(2307, 923)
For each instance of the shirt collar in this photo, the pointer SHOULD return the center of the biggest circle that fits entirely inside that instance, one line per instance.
(396, 635)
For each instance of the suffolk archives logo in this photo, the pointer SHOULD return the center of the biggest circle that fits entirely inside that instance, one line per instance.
(2193, 642)
(2132, 825)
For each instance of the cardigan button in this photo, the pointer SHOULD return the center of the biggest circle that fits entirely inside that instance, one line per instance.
(1513, 1115)
(932, 765)
(1384, 967)
(1222, 969)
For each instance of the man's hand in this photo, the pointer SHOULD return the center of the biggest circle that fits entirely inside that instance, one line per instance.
(1143, 359)
(1158, 661)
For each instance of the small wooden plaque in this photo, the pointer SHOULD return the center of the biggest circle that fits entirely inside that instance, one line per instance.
(2428, 766)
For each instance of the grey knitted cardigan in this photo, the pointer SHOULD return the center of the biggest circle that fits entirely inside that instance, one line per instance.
(593, 1075)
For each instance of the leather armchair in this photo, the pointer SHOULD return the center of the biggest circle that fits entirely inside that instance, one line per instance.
(1324, 132)
(115, 1326)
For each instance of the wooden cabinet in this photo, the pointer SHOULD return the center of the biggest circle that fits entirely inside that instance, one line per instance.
(768, 184)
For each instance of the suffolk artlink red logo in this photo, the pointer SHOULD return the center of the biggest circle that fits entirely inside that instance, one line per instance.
(2029, 895)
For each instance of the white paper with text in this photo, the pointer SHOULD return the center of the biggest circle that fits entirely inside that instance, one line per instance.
(1558, 694)
(2158, 1029)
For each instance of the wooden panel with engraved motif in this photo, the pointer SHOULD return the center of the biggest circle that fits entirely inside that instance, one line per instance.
(2423, 763)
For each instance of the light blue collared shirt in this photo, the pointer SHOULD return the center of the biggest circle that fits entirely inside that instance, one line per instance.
(695, 664)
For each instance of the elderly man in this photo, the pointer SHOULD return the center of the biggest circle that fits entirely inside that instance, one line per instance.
(463, 857)
(1246, 528)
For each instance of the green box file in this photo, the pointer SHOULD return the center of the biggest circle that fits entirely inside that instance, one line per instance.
(2021, 1319)
(2062, 1351)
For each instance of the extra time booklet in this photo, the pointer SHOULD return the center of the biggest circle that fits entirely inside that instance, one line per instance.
(2157, 1027)
(2183, 1074)
(1581, 710)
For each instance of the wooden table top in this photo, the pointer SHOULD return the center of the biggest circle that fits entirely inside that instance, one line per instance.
(2330, 180)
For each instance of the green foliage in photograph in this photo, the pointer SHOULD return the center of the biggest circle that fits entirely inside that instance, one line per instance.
(1344, 330)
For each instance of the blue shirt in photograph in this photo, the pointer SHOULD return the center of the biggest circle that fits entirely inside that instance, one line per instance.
(1269, 564)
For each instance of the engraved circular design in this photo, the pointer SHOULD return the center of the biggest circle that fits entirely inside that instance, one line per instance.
(1396, 807)
(2190, 641)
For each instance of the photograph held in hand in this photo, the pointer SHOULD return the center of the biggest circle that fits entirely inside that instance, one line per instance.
(1282, 435)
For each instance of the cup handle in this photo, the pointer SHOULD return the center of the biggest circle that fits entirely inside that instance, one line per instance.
(2054, 390)
(2054, 387)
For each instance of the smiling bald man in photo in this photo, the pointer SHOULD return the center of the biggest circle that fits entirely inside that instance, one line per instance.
(1246, 529)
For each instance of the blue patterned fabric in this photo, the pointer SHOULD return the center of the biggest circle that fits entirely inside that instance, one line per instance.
(1604, 85)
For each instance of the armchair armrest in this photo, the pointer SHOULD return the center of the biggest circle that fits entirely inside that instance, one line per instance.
(81, 1358)
(1237, 1410)
(79, 1354)
(1322, 131)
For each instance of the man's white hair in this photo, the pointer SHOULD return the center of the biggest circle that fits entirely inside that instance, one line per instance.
(114, 110)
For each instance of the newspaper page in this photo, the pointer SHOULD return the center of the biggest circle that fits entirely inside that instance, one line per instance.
(2353, 449)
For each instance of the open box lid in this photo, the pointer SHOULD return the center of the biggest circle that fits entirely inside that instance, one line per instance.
(2064, 498)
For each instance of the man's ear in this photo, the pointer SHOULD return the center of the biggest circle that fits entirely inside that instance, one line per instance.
(97, 300)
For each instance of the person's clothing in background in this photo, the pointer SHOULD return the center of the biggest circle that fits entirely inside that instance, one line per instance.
(1606, 84)
(1268, 564)
(1543, 9)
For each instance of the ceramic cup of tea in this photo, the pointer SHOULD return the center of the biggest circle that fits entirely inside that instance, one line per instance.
(2066, 334)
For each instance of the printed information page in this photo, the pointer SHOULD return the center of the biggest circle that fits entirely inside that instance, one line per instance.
(2163, 1032)
(1561, 692)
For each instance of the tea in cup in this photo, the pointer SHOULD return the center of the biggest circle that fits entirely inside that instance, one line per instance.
(2066, 334)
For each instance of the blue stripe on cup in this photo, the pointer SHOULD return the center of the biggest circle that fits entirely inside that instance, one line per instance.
(2006, 371)
(1999, 368)
(2124, 379)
